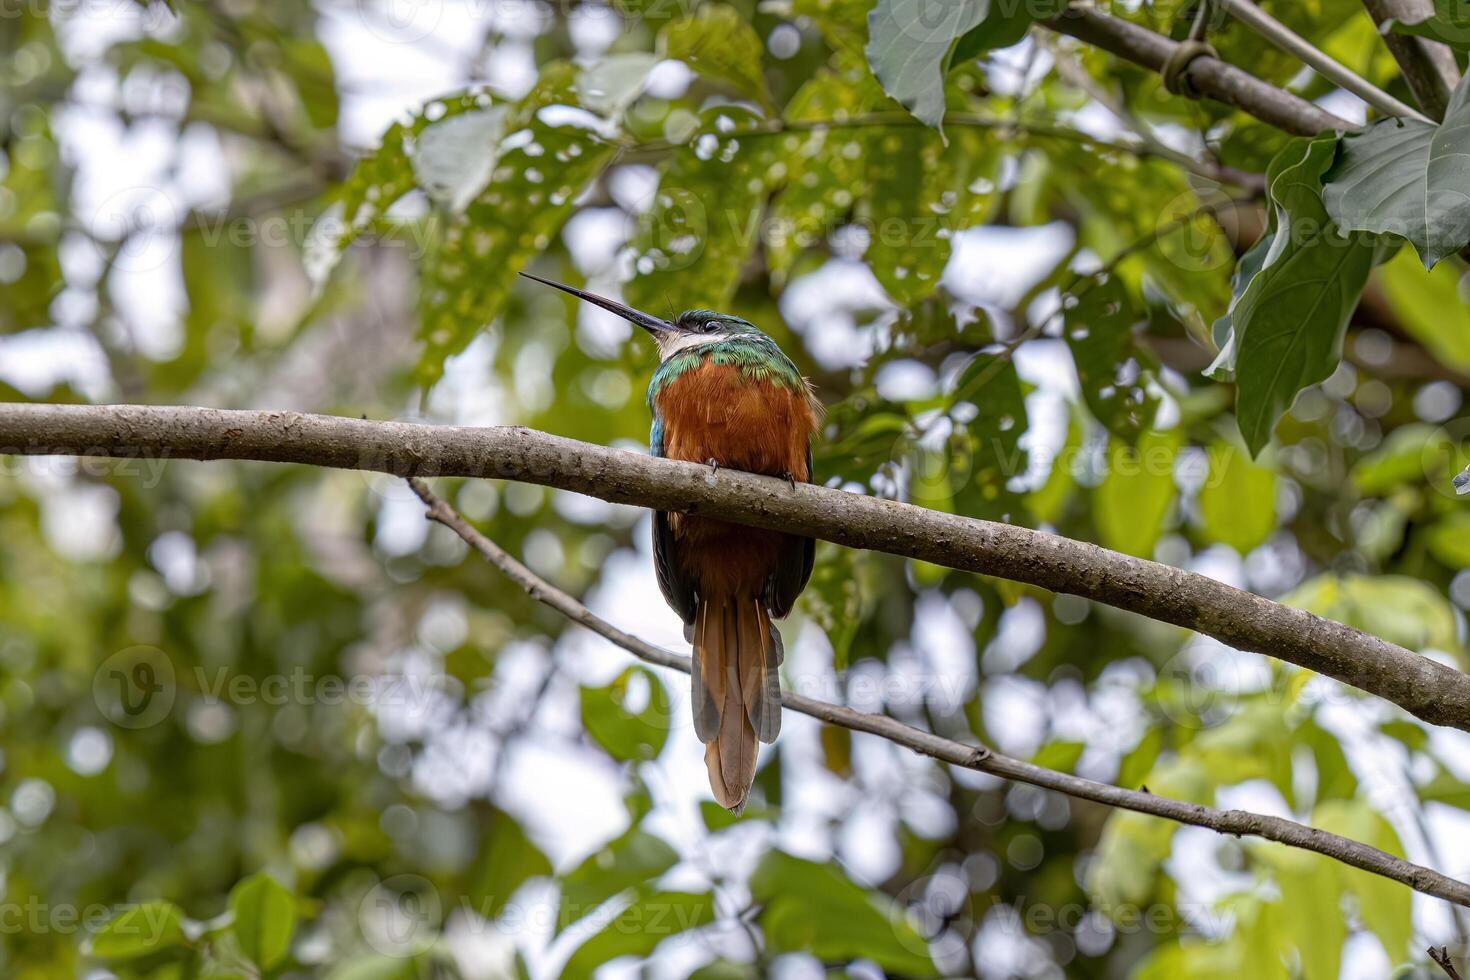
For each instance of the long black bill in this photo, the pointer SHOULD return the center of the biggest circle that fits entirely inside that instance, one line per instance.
(650, 323)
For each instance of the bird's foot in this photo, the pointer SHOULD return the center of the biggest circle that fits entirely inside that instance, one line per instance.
(713, 464)
(790, 479)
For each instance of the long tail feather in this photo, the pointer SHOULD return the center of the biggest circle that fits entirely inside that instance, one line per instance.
(736, 690)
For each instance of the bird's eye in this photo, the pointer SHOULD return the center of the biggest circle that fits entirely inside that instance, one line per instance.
(708, 326)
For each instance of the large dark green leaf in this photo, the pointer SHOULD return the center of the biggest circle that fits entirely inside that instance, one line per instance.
(1407, 178)
(908, 47)
(1286, 328)
(639, 928)
(1005, 23)
(816, 909)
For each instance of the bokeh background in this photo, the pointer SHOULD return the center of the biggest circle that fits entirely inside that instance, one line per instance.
(217, 671)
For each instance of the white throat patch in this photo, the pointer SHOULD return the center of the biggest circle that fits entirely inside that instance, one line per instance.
(669, 345)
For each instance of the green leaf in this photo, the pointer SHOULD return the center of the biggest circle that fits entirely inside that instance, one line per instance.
(1335, 778)
(826, 165)
(1061, 756)
(377, 182)
(815, 909)
(265, 914)
(1411, 454)
(1238, 499)
(627, 734)
(1005, 23)
(376, 968)
(467, 276)
(1140, 759)
(632, 860)
(1449, 540)
(1131, 504)
(720, 44)
(1432, 306)
(970, 474)
(1287, 327)
(1407, 178)
(705, 219)
(1402, 610)
(908, 48)
(1133, 846)
(309, 67)
(1311, 895)
(454, 158)
(507, 860)
(1383, 905)
(639, 928)
(140, 930)
(1110, 366)
(920, 193)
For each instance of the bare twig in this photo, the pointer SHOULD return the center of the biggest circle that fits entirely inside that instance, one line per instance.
(1430, 690)
(979, 758)
(1441, 956)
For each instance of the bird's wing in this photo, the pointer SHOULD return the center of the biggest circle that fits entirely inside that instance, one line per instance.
(677, 588)
(793, 566)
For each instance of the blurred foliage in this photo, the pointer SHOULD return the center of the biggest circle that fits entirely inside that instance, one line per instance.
(265, 723)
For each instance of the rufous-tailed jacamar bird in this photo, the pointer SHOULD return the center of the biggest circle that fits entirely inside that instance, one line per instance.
(725, 394)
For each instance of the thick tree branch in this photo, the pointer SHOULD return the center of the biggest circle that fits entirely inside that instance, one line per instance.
(1428, 65)
(1217, 79)
(1428, 689)
(979, 758)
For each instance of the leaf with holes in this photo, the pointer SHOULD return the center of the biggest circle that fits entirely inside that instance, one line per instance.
(1407, 178)
(1111, 368)
(826, 172)
(706, 215)
(722, 45)
(551, 151)
(921, 193)
(378, 181)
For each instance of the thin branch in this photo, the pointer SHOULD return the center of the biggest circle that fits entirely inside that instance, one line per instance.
(1441, 956)
(1319, 61)
(1217, 79)
(1428, 66)
(979, 758)
(1424, 687)
(866, 120)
